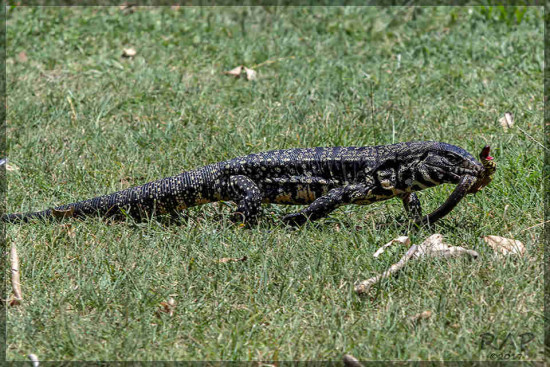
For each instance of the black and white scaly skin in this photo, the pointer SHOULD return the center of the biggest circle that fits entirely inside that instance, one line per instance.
(322, 178)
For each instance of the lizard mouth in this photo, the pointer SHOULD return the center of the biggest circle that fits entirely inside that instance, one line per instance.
(484, 155)
(489, 168)
(452, 174)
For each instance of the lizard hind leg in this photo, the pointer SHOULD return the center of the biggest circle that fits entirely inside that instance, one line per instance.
(248, 197)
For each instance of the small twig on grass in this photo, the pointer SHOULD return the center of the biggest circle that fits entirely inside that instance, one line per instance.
(15, 279)
(364, 286)
(533, 139)
(267, 62)
(74, 115)
(536, 225)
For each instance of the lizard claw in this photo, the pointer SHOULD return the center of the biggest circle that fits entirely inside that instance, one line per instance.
(295, 219)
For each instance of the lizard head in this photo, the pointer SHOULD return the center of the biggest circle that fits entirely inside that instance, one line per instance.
(441, 163)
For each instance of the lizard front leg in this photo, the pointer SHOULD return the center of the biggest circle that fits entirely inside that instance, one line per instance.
(248, 197)
(412, 206)
(465, 184)
(324, 205)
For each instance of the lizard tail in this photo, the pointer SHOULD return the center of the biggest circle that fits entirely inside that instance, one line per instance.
(14, 218)
(100, 205)
(130, 201)
(158, 197)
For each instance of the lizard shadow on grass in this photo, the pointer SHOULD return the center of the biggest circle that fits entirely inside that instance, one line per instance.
(399, 224)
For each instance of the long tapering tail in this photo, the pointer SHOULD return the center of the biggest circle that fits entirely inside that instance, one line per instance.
(25, 217)
(158, 197)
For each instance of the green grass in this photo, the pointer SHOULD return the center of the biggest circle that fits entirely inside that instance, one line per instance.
(83, 121)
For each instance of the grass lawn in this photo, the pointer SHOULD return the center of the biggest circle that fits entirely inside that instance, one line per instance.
(85, 121)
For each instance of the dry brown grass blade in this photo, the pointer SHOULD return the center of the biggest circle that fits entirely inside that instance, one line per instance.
(231, 259)
(69, 230)
(421, 316)
(536, 225)
(267, 62)
(167, 307)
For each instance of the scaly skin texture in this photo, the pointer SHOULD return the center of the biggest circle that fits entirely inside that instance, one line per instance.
(322, 178)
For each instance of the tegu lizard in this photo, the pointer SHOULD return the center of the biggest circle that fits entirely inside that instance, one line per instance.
(322, 178)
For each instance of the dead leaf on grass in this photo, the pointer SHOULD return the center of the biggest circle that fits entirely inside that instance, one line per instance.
(240, 70)
(505, 246)
(506, 121)
(403, 240)
(11, 167)
(234, 72)
(231, 259)
(129, 52)
(250, 74)
(421, 316)
(434, 246)
(167, 307)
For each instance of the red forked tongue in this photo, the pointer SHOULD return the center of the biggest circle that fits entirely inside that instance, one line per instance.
(484, 155)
